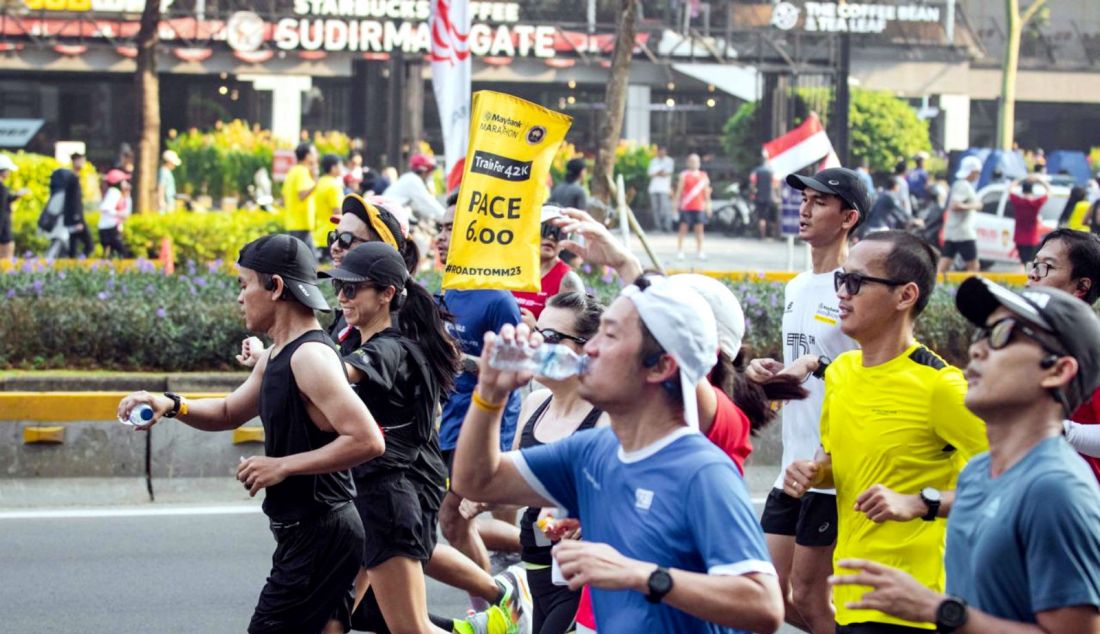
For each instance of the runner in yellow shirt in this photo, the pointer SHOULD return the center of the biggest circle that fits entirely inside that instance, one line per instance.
(328, 196)
(895, 431)
(298, 188)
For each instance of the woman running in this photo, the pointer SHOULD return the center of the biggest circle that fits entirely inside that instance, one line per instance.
(549, 415)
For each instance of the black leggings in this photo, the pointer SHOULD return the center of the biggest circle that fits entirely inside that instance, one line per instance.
(555, 606)
(111, 240)
(368, 617)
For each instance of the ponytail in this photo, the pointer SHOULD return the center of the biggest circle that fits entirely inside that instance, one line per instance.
(410, 253)
(420, 320)
(754, 399)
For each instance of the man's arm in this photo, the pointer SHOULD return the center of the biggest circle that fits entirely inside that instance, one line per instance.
(206, 414)
(897, 594)
(306, 193)
(480, 471)
(1084, 438)
(600, 248)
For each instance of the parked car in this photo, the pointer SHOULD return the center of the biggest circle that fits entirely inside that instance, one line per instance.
(997, 221)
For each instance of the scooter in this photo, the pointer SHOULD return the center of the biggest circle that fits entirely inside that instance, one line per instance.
(732, 216)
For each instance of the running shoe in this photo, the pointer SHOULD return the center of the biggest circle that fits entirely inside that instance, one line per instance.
(492, 621)
(517, 602)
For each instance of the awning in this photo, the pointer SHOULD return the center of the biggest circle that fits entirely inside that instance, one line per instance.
(18, 132)
(740, 81)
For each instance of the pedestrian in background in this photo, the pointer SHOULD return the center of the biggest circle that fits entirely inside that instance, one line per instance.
(80, 237)
(7, 241)
(693, 200)
(298, 188)
(116, 206)
(166, 182)
(764, 192)
(660, 171)
(570, 193)
(960, 234)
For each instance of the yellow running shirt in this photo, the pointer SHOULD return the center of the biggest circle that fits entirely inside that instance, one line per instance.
(299, 213)
(902, 424)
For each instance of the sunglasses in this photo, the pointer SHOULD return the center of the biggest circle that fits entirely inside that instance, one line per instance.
(551, 336)
(346, 239)
(853, 282)
(349, 289)
(552, 232)
(1000, 334)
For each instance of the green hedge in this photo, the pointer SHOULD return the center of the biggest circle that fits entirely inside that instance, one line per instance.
(100, 318)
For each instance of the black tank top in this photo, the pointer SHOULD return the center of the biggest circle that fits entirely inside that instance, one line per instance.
(289, 430)
(529, 534)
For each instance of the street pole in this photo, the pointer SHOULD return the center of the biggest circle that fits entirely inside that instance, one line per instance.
(843, 99)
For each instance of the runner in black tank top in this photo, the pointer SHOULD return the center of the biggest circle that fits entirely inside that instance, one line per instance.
(555, 605)
(316, 429)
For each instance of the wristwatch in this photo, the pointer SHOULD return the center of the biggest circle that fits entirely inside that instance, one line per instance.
(822, 363)
(951, 615)
(931, 498)
(660, 584)
(176, 400)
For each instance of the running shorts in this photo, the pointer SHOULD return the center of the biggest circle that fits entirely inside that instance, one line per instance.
(396, 520)
(811, 520)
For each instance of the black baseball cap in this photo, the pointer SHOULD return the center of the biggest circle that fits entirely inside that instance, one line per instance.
(1068, 320)
(375, 262)
(841, 182)
(289, 258)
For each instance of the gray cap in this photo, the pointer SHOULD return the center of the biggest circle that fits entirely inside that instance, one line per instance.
(1070, 321)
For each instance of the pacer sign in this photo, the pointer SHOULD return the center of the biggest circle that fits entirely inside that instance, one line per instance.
(495, 242)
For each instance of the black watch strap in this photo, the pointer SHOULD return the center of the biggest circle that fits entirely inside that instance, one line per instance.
(951, 615)
(933, 507)
(660, 584)
(176, 400)
(822, 363)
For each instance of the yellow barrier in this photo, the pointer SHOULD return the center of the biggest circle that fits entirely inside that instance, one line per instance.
(43, 435)
(1010, 279)
(65, 407)
(243, 435)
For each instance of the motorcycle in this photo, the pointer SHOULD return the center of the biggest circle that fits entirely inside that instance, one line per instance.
(733, 215)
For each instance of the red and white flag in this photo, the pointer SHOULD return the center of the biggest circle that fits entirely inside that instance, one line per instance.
(450, 60)
(806, 144)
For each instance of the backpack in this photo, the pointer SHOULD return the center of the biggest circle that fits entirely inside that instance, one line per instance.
(51, 213)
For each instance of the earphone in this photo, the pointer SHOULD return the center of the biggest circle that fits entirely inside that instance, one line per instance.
(1048, 361)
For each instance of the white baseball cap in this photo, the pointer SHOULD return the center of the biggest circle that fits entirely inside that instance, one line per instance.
(969, 165)
(727, 310)
(170, 156)
(7, 164)
(682, 322)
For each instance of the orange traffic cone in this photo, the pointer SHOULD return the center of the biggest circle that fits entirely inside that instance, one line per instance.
(167, 256)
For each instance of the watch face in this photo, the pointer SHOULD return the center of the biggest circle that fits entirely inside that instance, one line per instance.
(660, 581)
(930, 494)
(952, 613)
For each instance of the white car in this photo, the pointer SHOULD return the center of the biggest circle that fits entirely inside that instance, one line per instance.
(996, 221)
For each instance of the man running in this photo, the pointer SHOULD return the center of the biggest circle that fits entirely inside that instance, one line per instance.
(801, 532)
(1023, 552)
(894, 429)
(670, 539)
(315, 430)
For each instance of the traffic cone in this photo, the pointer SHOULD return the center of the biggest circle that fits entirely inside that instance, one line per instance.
(167, 256)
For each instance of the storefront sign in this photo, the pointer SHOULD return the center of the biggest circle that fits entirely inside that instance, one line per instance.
(18, 132)
(849, 17)
(93, 6)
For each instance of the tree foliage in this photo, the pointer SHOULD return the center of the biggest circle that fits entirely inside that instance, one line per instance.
(884, 128)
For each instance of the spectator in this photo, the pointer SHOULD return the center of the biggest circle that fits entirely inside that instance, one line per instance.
(115, 207)
(7, 240)
(764, 192)
(886, 212)
(865, 176)
(960, 237)
(901, 188)
(166, 182)
(660, 171)
(66, 183)
(298, 188)
(693, 200)
(557, 276)
(413, 190)
(354, 175)
(918, 180)
(330, 191)
(1025, 207)
(571, 193)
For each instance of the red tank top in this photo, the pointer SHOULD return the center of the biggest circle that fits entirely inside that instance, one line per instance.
(551, 284)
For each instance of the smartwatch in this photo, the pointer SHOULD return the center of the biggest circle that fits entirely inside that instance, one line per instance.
(660, 584)
(822, 363)
(951, 615)
(176, 400)
(932, 499)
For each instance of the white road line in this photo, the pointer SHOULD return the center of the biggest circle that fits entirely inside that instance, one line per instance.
(162, 511)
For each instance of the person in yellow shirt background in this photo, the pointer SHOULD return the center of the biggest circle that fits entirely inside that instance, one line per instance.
(298, 188)
(895, 431)
(327, 198)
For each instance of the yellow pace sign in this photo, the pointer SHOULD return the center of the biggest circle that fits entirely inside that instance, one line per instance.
(495, 244)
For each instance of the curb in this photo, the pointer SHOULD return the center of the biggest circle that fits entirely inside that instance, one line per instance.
(67, 407)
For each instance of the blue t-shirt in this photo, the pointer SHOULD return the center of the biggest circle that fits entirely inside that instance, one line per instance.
(679, 503)
(1026, 541)
(476, 313)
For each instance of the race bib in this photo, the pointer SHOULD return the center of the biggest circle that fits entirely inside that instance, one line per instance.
(495, 243)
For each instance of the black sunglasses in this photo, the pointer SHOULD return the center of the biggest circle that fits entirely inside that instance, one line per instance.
(346, 239)
(551, 231)
(1000, 334)
(349, 289)
(853, 282)
(551, 336)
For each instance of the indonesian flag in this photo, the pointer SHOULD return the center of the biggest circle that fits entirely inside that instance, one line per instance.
(806, 144)
(450, 59)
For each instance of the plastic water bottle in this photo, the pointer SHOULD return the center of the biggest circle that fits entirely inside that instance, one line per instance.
(141, 415)
(553, 361)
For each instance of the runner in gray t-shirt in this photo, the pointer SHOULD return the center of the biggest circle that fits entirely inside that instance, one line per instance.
(960, 237)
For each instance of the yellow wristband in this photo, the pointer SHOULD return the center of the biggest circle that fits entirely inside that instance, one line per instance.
(492, 408)
(183, 408)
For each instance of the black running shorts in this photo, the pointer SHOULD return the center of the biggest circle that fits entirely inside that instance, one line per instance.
(397, 521)
(811, 520)
(312, 574)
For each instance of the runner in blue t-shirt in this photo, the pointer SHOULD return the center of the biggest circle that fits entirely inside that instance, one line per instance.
(1023, 550)
(670, 538)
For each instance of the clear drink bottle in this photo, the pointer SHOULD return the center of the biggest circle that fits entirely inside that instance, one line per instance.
(140, 415)
(553, 361)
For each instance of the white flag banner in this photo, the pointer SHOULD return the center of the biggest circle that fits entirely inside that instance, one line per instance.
(450, 59)
(805, 145)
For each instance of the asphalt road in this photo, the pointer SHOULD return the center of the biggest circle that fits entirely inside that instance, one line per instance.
(164, 568)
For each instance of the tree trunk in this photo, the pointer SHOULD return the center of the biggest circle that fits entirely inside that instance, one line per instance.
(146, 159)
(1006, 115)
(611, 124)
